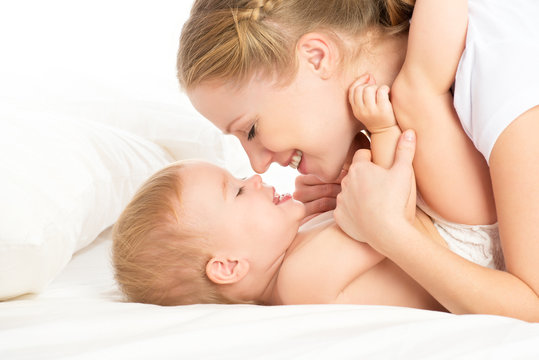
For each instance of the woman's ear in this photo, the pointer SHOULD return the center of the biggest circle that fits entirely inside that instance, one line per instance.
(223, 270)
(319, 52)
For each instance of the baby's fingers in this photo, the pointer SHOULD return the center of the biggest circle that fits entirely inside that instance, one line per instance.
(355, 93)
(382, 98)
(369, 98)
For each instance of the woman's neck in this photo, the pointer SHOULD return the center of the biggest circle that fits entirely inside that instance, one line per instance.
(382, 56)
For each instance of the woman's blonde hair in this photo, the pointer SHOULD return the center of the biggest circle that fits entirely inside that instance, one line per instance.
(234, 39)
(157, 257)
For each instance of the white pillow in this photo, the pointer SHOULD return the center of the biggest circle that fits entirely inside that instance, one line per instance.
(178, 128)
(62, 182)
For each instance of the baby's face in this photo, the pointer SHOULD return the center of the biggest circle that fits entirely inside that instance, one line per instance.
(242, 216)
(307, 124)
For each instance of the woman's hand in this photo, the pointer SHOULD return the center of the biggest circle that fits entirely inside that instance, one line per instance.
(372, 204)
(317, 196)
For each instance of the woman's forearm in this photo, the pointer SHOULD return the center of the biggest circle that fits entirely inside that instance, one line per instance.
(458, 284)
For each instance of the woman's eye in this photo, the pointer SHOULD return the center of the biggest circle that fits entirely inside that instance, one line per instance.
(240, 191)
(252, 133)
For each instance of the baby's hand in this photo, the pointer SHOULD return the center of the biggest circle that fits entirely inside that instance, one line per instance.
(371, 105)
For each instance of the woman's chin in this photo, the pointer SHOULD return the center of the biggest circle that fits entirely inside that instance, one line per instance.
(330, 177)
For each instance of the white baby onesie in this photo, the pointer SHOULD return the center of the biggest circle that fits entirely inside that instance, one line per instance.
(478, 243)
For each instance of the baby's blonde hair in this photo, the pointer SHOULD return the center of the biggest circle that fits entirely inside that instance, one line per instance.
(157, 257)
(235, 39)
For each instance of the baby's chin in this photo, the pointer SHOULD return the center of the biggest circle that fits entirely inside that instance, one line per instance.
(299, 215)
(302, 206)
(301, 211)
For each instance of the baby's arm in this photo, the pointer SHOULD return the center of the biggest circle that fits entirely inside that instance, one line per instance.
(452, 176)
(370, 104)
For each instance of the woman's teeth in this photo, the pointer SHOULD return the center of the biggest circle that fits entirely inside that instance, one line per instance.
(296, 159)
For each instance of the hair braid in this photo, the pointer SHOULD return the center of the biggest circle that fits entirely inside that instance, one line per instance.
(235, 39)
(397, 13)
(255, 10)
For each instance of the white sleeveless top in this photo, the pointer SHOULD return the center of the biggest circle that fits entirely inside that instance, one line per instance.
(497, 78)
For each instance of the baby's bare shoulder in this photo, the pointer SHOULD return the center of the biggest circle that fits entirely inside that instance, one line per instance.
(325, 263)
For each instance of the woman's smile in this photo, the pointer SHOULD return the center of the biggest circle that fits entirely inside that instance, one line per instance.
(296, 159)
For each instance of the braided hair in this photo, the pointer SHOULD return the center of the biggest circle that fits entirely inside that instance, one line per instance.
(234, 39)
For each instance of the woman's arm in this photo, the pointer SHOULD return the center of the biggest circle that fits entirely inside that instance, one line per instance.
(452, 176)
(458, 284)
(515, 178)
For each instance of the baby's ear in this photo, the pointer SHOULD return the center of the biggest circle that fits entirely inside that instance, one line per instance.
(223, 270)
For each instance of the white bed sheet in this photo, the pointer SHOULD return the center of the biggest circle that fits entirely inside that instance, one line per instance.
(81, 316)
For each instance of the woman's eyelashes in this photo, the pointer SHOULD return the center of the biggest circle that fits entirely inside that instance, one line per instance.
(252, 133)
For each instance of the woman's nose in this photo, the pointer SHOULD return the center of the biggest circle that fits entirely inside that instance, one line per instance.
(260, 165)
(259, 157)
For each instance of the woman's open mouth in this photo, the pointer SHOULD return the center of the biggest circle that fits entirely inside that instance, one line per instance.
(296, 159)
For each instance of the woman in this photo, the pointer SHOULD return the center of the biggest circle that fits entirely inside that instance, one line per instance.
(276, 74)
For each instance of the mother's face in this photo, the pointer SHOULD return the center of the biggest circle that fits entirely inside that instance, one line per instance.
(310, 116)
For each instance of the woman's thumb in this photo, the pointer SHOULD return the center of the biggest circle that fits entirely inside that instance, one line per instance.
(404, 154)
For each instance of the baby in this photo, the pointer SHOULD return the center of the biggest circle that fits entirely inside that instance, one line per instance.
(195, 234)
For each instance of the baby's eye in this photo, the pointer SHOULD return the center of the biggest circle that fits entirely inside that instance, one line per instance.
(252, 133)
(240, 191)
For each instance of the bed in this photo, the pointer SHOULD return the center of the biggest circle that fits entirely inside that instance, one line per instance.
(81, 315)
(82, 124)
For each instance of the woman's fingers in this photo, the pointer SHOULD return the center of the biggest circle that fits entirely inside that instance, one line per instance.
(317, 196)
(307, 193)
(362, 155)
(319, 206)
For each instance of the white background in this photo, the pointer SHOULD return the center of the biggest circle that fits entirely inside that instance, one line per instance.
(87, 57)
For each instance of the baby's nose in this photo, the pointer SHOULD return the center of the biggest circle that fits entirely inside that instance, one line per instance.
(256, 181)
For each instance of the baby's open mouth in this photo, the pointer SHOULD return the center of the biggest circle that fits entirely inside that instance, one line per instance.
(277, 199)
